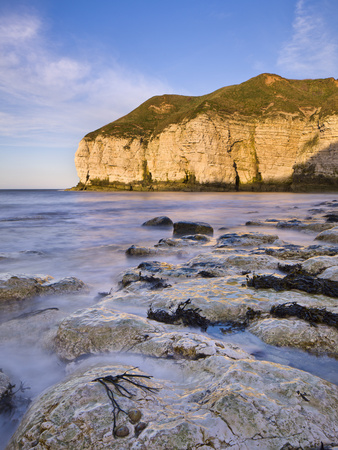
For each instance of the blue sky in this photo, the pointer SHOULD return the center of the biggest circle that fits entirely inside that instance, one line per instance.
(68, 67)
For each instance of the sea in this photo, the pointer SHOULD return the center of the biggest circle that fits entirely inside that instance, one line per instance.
(85, 234)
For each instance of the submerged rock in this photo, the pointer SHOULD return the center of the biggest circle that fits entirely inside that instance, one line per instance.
(233, 404)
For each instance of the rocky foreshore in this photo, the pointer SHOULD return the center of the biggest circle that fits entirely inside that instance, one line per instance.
(144, 369)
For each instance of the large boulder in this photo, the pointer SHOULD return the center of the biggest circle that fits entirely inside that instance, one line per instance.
(185, 228)
(216, 401)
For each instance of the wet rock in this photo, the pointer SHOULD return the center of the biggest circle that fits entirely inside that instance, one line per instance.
(95, 330)
(297, 334)
(154, 266)
(186, 228)
(311, 225)
(162, 221)
(135, 250)
(20, 287)
(187, 345)
(245, 239)
(301, 253)
(318, 264)
(184, 241)
(331, 273)
(140, 427)
(229, 403)
(37, 328)
(330, 235)
(121, 431)
(134, 415)
(228, 263)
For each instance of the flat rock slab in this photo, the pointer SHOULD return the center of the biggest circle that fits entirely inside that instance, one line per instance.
(241, 404)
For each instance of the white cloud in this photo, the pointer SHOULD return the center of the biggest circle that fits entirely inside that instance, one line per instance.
(45, 94)
(312, 50)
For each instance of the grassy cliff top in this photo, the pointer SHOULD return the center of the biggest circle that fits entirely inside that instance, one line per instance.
(261, 96)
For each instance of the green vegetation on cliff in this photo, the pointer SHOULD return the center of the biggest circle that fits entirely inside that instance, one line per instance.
(263, 96)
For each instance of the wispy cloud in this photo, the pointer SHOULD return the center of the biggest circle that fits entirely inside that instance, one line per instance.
(44, 93)
(312, 50)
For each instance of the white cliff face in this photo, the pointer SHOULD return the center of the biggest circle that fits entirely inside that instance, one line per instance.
(209, 149)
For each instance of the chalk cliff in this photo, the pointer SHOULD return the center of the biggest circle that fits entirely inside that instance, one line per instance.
(266, 133)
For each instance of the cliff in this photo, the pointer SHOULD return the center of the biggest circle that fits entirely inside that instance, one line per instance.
(264, 134)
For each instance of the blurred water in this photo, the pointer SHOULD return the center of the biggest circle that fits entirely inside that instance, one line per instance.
(85, 234)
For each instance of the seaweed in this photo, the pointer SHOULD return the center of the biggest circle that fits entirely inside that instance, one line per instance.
(294, 280)
(115, 381)
(312, 315)
(189, 317)
(8, 402)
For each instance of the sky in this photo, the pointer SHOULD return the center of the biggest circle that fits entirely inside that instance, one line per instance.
(68, 67)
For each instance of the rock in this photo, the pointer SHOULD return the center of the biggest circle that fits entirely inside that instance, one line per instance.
(318, 264)
(231, 403)
(135, 250)
(96, 330)
(20, 287)
(187, 345)
(291, 332)
(330, 235)
(100, 330)
(245, 239)
(184, 241)
(186, 228)
(37, 328)
(162, 221)
(330, 273)
(291, 251)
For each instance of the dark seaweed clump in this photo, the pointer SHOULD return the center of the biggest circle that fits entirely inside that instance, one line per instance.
(295, 280)
(190, 317)
(312, 315)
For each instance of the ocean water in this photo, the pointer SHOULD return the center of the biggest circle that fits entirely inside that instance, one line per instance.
(85, 235)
